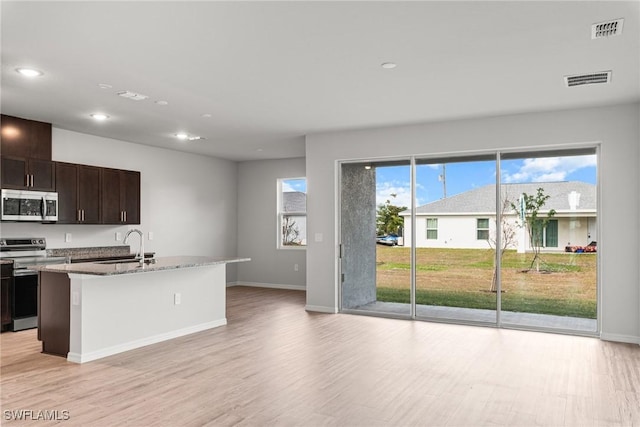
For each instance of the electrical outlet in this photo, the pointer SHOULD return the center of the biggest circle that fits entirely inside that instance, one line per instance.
(150, 235)
(67, 237)
(118, 236)
(295, 267)
(177, 299)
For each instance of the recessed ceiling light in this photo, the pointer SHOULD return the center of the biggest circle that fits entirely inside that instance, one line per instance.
(104, 86)
(186, 137)
(162, 102)
(259, 150)
(29, 72)
(206, 115)
(99, 116)
(388, 65)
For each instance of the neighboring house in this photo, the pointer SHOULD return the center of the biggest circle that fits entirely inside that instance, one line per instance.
(468, 220)
(294, 210)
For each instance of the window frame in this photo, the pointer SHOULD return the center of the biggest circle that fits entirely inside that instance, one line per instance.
(482, 229)
(281, 215)
(432, 229)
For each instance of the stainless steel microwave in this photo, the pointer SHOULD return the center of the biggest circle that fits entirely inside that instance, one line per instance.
(21, 205)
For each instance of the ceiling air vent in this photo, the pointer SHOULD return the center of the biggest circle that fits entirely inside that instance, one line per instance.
(606, 29)
(588, 79)
(132, 95)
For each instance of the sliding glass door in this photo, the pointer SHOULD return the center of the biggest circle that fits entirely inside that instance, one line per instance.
(508, 239)
(549, 280)
(375, 260)
(455, 238)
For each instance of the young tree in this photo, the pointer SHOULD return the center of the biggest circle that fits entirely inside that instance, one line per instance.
(290, 232)
(507, 239)
(529, 210)
(388, 217)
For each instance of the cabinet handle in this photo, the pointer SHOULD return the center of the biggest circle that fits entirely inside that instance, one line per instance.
(125, 216)
(27, 180)
(31, 180)
(82, 215)
(121, 216)
(78, 216)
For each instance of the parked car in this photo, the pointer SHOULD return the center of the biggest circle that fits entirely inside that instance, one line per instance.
(389, 240)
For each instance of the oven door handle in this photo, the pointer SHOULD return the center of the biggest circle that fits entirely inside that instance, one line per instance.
(44, 208)
(19, 273)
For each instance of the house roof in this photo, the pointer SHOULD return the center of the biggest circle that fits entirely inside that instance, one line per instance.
(294, 201)
(483, 199)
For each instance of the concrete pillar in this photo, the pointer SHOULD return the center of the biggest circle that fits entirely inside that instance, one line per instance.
(358, 229)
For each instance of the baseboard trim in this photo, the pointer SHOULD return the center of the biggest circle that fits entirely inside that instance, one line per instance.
(321, 309)
(268, 285)
(630, 339)
(120, 348)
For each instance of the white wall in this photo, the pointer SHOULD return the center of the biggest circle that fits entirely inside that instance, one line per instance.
(616, 127)
(460, 231)
(258, 222)
(188, 201)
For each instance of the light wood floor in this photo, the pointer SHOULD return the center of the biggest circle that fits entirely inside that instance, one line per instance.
(275, 364)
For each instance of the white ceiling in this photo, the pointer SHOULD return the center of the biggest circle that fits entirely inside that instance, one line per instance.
(271, 72)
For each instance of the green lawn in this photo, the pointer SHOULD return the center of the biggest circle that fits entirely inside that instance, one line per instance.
(462, 278)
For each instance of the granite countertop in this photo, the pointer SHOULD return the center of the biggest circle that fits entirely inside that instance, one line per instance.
(115, 268)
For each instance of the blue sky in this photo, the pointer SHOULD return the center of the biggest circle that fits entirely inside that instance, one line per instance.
(295, 185)
(461, 177)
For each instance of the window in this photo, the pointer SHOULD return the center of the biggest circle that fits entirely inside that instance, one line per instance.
(432, 228)
(551, 234)
(292, 213)
(482, 227)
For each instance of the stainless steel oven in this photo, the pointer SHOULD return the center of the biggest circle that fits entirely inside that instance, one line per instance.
(25, 253)
(21, 205)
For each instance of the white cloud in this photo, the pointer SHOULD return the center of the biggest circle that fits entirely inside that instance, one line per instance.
(548, 169)
(402, 190)
(286, 187)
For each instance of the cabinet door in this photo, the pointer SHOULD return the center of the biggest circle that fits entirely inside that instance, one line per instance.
(5, 301)
(43, 175)
(67, 188)
(14, 173)
(89, 194)
(111, 212)
(25, 138)
(130, 196)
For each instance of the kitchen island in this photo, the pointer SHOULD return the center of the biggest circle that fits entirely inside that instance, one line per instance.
(88, 311)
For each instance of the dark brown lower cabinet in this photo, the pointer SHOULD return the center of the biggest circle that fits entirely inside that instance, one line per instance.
(54, 312)
(5, 295)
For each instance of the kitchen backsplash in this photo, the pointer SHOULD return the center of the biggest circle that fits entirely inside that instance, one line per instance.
(90, 252)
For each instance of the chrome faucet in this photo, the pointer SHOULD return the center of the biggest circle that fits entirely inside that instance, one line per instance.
(140, 254)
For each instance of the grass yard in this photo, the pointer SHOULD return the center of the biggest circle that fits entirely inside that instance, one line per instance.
(462, 278)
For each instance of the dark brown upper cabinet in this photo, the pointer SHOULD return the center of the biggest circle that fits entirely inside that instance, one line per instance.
(120, 196)
(28, 174)
(25, 138)
(78, 188)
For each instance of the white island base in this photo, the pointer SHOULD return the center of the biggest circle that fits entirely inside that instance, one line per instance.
(115, 313)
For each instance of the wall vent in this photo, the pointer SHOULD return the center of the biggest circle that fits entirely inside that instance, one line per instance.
(607, 29)
(588, 79)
